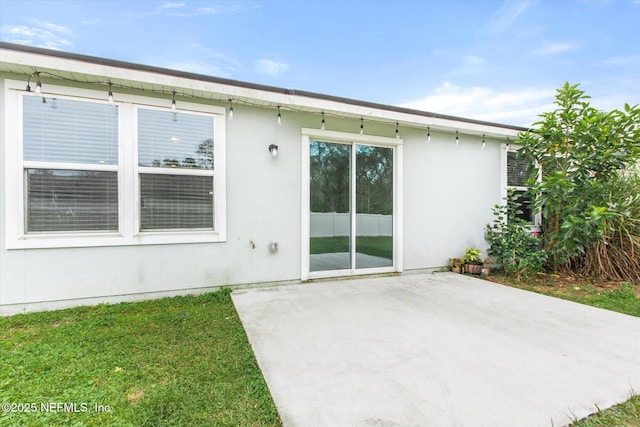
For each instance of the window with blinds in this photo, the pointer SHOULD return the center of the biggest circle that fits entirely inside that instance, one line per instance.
(176, 170)
(83, 172)
(70, 160)
(71, 200)
(517, 177)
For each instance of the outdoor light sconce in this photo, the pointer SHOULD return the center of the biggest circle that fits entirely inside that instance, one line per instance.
(273, 148)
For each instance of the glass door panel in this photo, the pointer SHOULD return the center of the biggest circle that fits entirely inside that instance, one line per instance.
(330, 205)
(374, 206)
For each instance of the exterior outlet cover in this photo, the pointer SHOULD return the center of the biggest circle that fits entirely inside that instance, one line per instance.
(273, 247)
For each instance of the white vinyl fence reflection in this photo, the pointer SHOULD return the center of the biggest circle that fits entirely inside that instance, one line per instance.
(331, 224)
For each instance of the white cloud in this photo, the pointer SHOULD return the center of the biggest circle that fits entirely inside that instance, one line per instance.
(516, 107)
(551, 48)
(172, 5)
(199, 67)
(471, 65)
(472, 60)
(206, 11)
(183, 11)
(270, 67)
(621, 60)
(209, 61)
(58, 29)
(45, 34)
(506, 16)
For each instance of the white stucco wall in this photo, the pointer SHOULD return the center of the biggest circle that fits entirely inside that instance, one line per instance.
(448, 190)
(449, 193)
(263, 205)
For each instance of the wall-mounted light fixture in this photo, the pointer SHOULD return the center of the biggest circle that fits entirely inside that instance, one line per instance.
(173, 101)
(428, 134)
(230, 110)
(457, 138)
(483, 142)
(273, 148)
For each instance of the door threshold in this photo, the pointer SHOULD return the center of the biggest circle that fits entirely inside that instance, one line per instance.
(351, 277)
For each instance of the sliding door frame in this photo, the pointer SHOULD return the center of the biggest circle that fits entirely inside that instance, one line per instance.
(309, 135)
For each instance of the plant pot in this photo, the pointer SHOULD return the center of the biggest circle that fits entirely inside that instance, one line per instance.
(473, 268)
(456, 269)
(486, 271)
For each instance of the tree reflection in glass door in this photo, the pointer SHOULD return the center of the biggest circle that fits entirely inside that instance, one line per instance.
(374, 206)
(330, 203)
(351, 202)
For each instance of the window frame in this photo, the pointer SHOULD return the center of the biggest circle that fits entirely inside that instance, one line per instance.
(154, 170)
(535, 225)
(351, 139)
(51, 165)
(127, 169)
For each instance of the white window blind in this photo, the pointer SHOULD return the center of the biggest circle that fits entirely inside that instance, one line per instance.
(517, 177)
(176, 201)
(60, 197)
(80, 172)
(183, 199)
(69, 200)
(517, 173)
(70, 131)
(177, 140)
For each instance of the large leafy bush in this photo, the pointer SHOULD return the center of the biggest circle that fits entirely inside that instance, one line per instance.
(587, 191)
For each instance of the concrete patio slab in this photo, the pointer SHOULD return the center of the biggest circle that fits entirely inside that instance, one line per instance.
(437, 349)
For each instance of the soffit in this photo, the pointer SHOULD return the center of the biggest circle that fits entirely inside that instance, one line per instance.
(97, 71)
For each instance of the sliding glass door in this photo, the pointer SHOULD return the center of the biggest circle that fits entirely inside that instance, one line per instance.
(374, 206)
(351, 207)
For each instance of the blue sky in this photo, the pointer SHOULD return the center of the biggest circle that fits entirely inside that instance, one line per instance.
(492, 60)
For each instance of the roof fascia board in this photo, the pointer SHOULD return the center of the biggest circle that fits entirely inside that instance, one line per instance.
(117, 70)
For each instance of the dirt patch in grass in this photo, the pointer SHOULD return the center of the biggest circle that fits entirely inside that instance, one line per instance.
(563, 285)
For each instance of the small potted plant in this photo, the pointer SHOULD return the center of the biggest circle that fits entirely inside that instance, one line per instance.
(472, 261)
(456, 264)
(486, 267)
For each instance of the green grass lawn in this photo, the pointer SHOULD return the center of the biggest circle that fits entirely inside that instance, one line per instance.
(620, 297)
(381, 246)
(181, 361)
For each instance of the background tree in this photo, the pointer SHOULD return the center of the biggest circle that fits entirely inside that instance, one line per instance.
(590, 205)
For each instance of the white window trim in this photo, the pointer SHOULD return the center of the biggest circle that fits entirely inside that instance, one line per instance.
(349, 138)
(537, 219)
(128, 193)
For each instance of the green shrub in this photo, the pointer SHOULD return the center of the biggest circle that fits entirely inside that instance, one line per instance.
(512, 242)
(578, 151)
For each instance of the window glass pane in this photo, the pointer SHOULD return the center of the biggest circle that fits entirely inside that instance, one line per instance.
(526, 208)
(176, 201)
(374, 206)
(177, 140)
(71, 200)
(63, 130)
(517, 173)
(330, 216)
